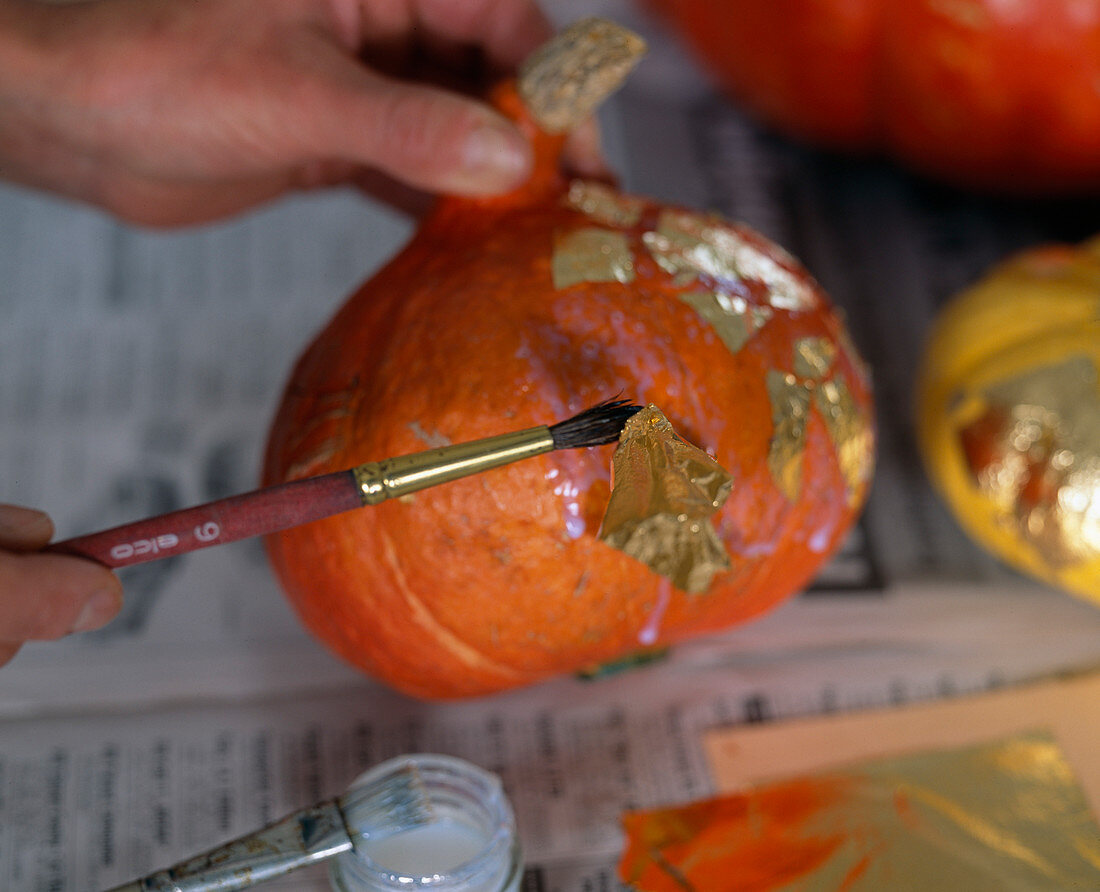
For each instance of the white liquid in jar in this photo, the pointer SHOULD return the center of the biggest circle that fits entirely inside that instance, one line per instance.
(468, 845)
(434, 848)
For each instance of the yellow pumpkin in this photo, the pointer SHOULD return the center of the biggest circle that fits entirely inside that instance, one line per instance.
(1008, 413)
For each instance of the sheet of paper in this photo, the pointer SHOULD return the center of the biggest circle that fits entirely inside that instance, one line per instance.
(1003, 813)
(88, 799)
(1069, 709)
(96, 800)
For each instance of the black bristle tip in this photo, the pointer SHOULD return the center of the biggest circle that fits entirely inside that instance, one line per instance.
(595, 426)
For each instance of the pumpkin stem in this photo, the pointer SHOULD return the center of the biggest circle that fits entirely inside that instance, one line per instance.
(564, 81)
(559, 85)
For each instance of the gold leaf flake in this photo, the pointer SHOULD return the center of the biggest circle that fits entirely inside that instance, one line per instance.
(565, 79)
(790, 401)
(850, 432)
(1035, 453)
(708, 246)
(733, 319)
(664, 492)
(604, 204)
(591, 254)
(813, 357)
(690, 243)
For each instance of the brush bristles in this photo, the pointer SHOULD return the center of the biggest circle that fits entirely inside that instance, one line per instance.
(594, 426)
(397, 800)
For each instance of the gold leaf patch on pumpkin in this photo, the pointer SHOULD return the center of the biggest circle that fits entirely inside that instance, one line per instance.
(813, 357)
(591, 254)
(1032, 444)
(850, 434)
(604, 204)
(732, 318)
(790, 401)
(849, 429)
(706, 245)
(663, 494)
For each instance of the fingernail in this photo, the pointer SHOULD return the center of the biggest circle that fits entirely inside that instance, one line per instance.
(495, 157)
(98, 610)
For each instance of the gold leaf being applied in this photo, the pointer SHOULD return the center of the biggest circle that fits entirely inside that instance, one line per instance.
(663, 494)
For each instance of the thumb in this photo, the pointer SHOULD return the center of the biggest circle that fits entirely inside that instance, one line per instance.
(424, 136)
(44, 596)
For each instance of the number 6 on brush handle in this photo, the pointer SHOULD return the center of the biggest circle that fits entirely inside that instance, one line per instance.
(216, 523)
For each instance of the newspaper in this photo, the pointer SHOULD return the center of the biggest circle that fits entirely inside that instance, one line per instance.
(139, 371)
(92, 800)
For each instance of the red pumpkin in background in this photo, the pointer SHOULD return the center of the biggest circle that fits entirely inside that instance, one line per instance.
(507, 313)
(983, 93)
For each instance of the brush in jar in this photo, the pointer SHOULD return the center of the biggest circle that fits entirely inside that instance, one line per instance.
(304, 838)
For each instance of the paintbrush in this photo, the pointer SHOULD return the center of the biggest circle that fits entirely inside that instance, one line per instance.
(397, 799)
(301, 501)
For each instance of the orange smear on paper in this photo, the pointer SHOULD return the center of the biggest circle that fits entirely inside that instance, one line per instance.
(753, 841)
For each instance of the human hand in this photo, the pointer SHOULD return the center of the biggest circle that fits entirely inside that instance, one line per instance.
(167, 112)
(47, 596)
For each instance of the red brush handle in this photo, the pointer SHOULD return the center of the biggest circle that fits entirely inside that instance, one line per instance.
(215, 523)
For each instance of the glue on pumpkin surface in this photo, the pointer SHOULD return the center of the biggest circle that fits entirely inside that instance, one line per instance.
(510, 313)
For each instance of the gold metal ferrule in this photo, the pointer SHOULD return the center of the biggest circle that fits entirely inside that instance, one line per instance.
(392, 477)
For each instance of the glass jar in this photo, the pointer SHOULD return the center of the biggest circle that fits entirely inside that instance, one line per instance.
(468, 844)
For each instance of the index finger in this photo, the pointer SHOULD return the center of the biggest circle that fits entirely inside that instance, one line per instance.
(46, 596)
(24, 529)
(507, 31)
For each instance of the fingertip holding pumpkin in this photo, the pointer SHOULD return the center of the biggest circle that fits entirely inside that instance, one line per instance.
(536, 304)
(1008, 416)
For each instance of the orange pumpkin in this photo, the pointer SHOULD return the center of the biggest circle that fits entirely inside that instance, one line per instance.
(507, 313)
(1003, 96)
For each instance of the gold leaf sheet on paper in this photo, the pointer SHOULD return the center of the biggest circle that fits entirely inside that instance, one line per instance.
(997, 816)
(664, 492)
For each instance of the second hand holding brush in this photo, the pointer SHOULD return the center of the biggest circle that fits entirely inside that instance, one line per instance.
(290, 504)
